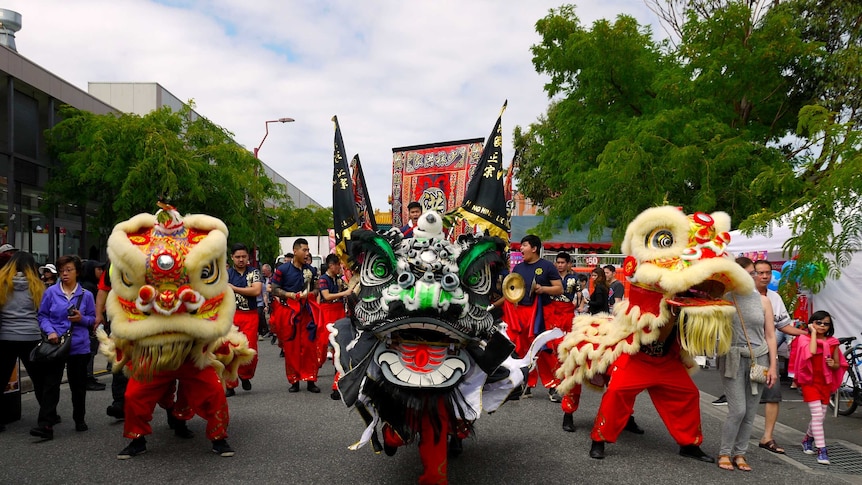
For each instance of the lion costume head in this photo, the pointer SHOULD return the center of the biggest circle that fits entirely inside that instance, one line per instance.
(169, 300)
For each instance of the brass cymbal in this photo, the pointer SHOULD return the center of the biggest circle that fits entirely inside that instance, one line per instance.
(513, 288)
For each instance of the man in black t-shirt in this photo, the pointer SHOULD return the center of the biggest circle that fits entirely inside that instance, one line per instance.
(617, 291)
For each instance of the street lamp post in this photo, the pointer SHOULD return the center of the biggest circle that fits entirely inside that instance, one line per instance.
(266, 125)
(256, 255)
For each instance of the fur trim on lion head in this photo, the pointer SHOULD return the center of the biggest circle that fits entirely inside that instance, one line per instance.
(168, 278)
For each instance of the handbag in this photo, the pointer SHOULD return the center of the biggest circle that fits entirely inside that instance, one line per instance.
(45, 351)
(757, 373)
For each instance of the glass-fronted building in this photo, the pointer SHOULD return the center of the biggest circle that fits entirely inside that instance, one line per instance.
(30, 98)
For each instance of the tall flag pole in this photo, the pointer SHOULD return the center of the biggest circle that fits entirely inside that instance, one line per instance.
(343, 209)
(507, 191)
(507, 182)
(484, 201)
(360, 196)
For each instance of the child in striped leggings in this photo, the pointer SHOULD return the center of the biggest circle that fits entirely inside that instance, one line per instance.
(820, 368)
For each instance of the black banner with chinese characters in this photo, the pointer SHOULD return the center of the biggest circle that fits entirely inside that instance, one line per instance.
(360, 196)
(484, 202)
(343, 208)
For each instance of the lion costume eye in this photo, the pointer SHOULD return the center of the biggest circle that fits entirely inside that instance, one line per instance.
(125, 279)
(375, 271)
(659, 239)
(480, 281)
(209, 273)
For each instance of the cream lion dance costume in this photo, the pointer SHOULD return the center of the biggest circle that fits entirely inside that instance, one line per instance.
(678, 269)
(171, 314)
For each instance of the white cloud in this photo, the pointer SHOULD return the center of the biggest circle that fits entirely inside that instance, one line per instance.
(396, 73)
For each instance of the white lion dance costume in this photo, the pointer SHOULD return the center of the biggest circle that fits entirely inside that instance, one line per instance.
(171, 314)
(678, 270)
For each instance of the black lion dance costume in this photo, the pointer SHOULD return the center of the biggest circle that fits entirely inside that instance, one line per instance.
(422, 356)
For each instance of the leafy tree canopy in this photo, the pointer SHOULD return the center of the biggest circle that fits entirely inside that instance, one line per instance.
(125, 163)
(751, 107)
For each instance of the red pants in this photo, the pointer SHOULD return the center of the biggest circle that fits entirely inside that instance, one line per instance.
(434, 454)
(519, 328)
(200, 392)
(326, 313)
(672, 391)
(300, 351)
(247, 321)
(556, 314)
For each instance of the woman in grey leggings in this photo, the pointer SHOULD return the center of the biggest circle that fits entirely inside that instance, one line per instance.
(743, 396)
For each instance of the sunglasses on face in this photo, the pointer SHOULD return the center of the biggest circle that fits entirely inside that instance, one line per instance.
(821, 322)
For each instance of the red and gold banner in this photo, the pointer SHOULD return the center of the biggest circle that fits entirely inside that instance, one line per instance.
(435, 175)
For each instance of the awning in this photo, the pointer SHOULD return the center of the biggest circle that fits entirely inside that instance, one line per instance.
(568, 246)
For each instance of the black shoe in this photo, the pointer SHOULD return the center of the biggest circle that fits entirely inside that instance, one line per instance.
(116, 411)
(597, 450)
(569, 422)
(632, 426)
(229, 392)
(528, 392)
(281, 354)
(81, 426)
(221, 448)
(335, 396)
(456, 446)
(312, 387)
(181, 429)
(138, 446)
(95, 385)
(294, 387)
(554, 396)
(172, 420)
(273, 340)
(246, 384)
(44, 432)
(721, 401)
(694, 451)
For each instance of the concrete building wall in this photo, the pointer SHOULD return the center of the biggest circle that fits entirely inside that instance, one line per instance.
(141, 98)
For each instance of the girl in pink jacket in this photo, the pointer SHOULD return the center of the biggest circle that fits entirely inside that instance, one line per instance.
(820, 368)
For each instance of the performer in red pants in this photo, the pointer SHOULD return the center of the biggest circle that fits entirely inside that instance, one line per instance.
(201, 393)
(333, 291)
(295, 327)
(658, 369)
(172, 320)
(246, 284)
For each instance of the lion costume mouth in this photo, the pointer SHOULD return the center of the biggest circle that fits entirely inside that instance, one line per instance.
(707, 293)
(421, 352)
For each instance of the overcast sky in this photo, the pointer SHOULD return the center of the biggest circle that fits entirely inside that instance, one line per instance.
(396, 72)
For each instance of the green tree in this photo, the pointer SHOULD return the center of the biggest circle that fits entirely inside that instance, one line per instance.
(752, 108)
(125, 163)
(303, 221)
(817, 191)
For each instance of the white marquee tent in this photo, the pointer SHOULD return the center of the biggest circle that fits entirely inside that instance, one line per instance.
(842, 298)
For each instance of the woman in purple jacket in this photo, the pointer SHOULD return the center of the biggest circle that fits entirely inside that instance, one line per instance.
(66, 305)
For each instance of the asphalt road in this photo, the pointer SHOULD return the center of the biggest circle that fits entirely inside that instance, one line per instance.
(303, 438)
